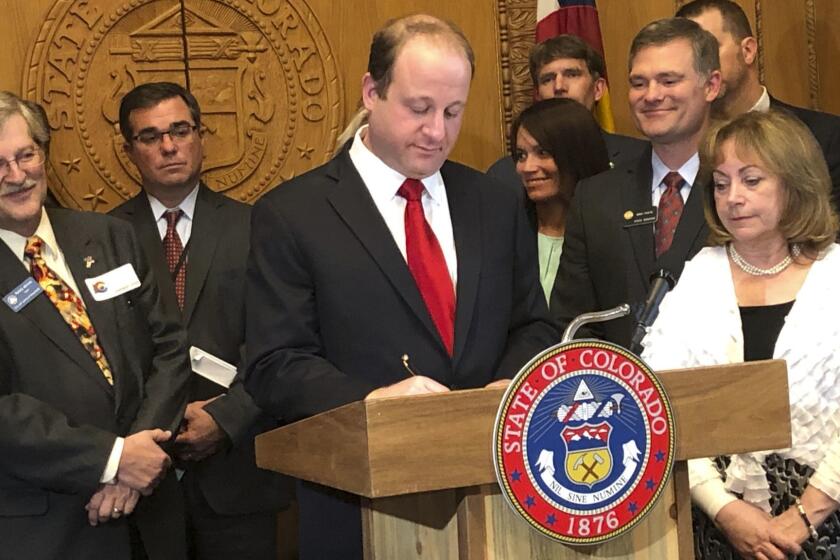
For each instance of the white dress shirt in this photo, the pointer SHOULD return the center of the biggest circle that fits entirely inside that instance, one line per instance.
(184, 225)
(54, 259)
(383, 183)
(688, 172)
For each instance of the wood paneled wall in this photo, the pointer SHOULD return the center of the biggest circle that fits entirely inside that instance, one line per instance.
(800, 41)
(251, 63)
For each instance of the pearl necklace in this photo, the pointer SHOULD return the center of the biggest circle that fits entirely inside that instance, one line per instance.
(753, 270)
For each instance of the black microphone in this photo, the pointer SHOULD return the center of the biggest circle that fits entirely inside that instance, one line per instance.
(661, 283)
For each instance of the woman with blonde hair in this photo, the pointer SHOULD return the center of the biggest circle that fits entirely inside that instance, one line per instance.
(768, 287)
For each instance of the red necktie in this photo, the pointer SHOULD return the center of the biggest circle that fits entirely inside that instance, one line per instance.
(172, 247)
(670, 210)
(427, 264)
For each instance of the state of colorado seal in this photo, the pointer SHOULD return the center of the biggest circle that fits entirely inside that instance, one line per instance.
(584, 442)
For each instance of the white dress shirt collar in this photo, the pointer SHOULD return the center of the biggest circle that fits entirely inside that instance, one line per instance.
(17, 242)
(763, 103)
(53, 256)
(187, 206)
(382, 181)
(688, 171)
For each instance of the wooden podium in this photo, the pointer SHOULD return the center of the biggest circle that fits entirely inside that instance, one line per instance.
(423, 465)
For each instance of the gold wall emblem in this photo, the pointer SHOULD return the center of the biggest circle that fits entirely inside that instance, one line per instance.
(263, 72)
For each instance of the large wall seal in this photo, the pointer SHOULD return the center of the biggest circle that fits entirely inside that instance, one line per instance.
(584, 442)
(262, 70)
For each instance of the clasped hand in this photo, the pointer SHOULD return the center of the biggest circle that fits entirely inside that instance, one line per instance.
(755, 534)
(143, 464)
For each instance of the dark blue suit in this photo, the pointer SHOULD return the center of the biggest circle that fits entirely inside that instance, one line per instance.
(332, 306)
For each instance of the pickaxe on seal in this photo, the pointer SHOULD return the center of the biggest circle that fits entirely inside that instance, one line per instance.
(590, 469)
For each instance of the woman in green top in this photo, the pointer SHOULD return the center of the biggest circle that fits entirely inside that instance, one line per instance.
(555, 143)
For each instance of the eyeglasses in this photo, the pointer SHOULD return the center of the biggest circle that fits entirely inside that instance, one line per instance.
(27, 160)
(178, 133)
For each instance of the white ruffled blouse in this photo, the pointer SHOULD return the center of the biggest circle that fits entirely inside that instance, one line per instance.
(699, 324)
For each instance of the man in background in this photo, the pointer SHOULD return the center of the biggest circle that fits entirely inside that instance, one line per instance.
(389, 250)
(197, 242)
(566, 66)
(647, 214)
(742, 90)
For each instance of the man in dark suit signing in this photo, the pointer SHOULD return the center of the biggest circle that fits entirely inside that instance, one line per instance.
(389, 250)
(566, 66)
(647, 214)
(742, 89)
(93, 374)
(197, 242)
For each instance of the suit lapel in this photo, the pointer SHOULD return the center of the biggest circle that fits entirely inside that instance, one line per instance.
(77, 246)
(635, 196)
(613, 148)
(202, 246)
(353, 203)
(466, 228)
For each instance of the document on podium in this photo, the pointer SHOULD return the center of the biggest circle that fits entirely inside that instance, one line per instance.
(211, 367)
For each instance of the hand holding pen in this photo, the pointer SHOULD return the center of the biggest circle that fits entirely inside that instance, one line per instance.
(414, 384)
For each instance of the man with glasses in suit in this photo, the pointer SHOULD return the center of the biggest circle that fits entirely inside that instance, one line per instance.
(197, 243)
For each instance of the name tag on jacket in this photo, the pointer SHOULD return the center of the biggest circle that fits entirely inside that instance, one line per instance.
(25, 292)
(113, 283)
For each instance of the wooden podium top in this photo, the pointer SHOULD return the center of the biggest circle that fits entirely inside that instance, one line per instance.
(402, 445)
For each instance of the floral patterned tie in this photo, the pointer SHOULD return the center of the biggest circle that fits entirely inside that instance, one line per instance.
(68, 303)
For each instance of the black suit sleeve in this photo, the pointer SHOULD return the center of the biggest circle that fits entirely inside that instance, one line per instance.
(286, 372)
(39, 445)
(574, 291)
(235, 411)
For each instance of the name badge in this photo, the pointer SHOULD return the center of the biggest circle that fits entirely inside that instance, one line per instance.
(113, 283)
(26, 291)
(634, 218)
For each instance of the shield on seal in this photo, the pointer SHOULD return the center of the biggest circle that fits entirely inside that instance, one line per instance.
(588, 456)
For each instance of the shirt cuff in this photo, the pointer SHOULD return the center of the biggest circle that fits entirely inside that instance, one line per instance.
(109, 475)
(826, 479)
(711, 496)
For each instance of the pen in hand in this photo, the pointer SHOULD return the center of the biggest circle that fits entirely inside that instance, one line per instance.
(404, 359)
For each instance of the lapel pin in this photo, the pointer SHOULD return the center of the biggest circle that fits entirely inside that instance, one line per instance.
(89, 261)
(628, 215)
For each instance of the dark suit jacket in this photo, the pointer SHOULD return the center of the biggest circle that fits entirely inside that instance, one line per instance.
(332, 305)
(826, 129)
(605, 264)
(58, 415)
(622, 149)
(214, 316)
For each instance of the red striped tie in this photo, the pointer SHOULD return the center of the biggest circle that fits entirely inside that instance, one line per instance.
(427, 264)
